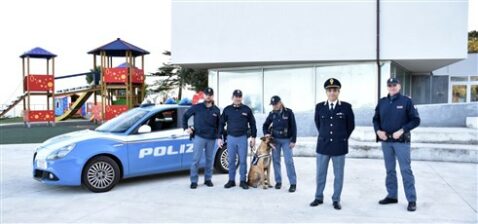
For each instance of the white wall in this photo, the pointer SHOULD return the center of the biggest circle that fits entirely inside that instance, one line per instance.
(216, 32)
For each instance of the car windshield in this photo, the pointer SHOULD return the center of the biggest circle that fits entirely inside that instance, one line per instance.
(122, 122)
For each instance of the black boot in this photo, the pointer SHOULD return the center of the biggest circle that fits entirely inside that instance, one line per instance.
(316, 202)
(337, 205)
(194, 185)
(292, 188)
(278, 186)
(412, 206)
(244, 185)
(230, 184)
(388, 200)
(208, 183)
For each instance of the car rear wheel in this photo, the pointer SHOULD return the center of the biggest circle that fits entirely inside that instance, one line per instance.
(221, 164)
(101, 174)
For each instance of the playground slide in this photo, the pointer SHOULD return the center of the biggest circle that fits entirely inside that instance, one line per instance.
(75, 106)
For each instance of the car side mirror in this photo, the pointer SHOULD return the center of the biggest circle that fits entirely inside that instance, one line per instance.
(144, 129)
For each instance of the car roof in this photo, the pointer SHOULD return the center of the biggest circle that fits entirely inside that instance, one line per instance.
(154, 107)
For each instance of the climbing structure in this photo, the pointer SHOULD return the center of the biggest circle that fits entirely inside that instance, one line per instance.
(122, 87)
(38, 84)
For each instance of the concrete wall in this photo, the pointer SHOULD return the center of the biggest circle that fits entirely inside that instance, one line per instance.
(214, 33)
(433, 115)
(469, 66)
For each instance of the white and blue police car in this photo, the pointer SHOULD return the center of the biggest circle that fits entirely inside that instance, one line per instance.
(142, 141)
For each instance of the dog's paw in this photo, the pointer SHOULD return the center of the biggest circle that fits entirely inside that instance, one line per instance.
(265, 187)
(270, 186)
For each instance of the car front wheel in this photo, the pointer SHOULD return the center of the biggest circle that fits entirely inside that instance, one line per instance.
(101, 174)
(221, 164)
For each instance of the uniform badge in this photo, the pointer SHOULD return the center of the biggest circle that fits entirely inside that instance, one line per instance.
(215, 115)
(331, 81)
(400, 107)
(245, 114)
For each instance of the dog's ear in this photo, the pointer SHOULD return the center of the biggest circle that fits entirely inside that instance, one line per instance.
(263, 138)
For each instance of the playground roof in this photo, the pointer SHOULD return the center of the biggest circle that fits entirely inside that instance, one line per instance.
(118, 48)
(38, 52)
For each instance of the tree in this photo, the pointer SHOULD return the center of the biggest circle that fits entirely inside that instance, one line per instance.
(473, 42)
(93, 72)
(178, 77)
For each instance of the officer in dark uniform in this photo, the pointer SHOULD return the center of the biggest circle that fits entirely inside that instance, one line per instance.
(206, 127)
(335, 122)
(239, 120)
(281, 125)
(395, 116)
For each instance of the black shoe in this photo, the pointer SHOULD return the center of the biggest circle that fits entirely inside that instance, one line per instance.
(292, 188)
(194, 185)
(412, 206)
(387, 200)
(316, 202)
(278, 186)
(230, 184)
(208, 183)
(337, 205)
(244, 185)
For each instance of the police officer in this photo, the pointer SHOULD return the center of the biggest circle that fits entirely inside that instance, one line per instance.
(281, 125)
(206, 127)
(239, 119)
(335, 122)
(395, 116)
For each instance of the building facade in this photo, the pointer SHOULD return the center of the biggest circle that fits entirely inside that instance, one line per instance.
(291, 48)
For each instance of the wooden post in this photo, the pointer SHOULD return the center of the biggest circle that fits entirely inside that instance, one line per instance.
(54, 86)
(143, 86)
(24, 86)
(103, 92)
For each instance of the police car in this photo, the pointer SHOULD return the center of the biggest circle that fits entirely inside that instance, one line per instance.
(142, 141)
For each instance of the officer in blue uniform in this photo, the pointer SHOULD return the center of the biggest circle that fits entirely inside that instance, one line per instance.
(335, 122)
(239, 120)
(206, 126)
(395, 116)
(281, 125)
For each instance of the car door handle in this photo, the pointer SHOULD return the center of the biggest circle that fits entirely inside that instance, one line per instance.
(174, 136)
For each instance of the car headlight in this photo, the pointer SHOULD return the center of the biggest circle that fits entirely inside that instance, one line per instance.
(61, 152)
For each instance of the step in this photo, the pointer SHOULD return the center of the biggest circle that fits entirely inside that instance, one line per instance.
(440, 135)
(420, 151)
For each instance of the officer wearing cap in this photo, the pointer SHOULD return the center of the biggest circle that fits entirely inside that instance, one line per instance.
(239, 120)
(395, 116)
(206, 126)
(281, 125)
(335, 122)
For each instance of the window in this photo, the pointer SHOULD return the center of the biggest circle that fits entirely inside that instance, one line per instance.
(459, 93)
(359, 83)
(295, 86)
(463, 89)
(248, 81)
(164, 120)
(474, 93)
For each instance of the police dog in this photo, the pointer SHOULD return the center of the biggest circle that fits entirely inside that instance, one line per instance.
(259, 173)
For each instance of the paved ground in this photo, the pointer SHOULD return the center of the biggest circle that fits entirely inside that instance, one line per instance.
(447, 192)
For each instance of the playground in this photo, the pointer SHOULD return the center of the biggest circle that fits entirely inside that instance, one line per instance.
(113, 90)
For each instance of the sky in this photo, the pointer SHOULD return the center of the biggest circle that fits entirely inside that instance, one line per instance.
(71, 28)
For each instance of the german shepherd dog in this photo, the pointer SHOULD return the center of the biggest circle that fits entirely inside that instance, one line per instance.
(259, 173)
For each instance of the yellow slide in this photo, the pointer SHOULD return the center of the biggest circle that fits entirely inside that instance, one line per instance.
(76, 106)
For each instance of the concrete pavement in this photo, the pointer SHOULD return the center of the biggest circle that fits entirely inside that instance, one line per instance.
(447, 192)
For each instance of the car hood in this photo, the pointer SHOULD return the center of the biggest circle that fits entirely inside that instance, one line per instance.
(63, 140)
